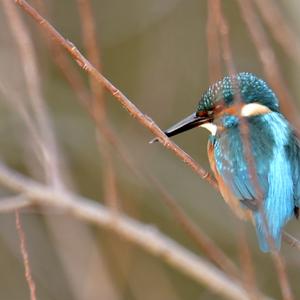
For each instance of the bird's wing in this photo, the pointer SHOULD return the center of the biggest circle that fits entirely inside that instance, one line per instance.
(231, 168)
(225, 185)
(293, 154)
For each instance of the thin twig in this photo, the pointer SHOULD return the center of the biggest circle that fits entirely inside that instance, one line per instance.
(98, 106)
(213, 252)
(25, 256)
(49, 152)
(244, 128)
(247, 265)
(213, 43)
(290, 240)
(223, 27)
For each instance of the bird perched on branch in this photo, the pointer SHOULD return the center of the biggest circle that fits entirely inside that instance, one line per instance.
(253, 152)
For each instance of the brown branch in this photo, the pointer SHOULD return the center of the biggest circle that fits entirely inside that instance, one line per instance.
(25, 256)
(228, 58)
(247, 265)
(213, 252)
(285, 36)
(98, 106)
(290, 240)
(119, 96)
(213, 43)
(222, 25)
(268, 59)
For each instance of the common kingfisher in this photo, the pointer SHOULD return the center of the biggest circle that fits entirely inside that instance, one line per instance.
(274, 148)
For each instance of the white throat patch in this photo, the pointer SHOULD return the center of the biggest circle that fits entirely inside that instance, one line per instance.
(212, 128)
(254, 109)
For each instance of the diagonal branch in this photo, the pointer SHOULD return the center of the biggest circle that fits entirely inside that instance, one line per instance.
(119, 96)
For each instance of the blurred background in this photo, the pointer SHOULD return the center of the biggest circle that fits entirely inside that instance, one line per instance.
(156, 53)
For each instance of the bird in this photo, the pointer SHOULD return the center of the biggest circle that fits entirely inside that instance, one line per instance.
(268, 192)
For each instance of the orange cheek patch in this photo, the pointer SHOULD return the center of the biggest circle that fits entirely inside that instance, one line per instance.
(234, 110)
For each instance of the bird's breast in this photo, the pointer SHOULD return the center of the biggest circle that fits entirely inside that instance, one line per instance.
(227, 194)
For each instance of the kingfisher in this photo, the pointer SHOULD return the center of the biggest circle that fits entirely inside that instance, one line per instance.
(274, 148)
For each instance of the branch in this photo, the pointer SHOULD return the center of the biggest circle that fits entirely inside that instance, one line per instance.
(9, 204)
(144, 236)
(119, 96)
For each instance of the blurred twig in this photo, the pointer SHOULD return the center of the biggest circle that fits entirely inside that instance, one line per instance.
(213, 43)
(247, 265)
(201, 239)
(268, 60)
(228, 58)
(45, 138)
(223, 28)
(285, 36)
(98, 107)
(290, 240)
(25, 256)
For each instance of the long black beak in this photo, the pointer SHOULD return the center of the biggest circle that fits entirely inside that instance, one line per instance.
(187, 123)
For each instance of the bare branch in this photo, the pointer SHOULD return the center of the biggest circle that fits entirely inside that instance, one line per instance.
(98, 105)
(9, 204)
(290, 240)
(119, 96)
(46, 139)
(146, 237)
(25, 257)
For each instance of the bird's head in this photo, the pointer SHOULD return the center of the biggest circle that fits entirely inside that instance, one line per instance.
(242, 95)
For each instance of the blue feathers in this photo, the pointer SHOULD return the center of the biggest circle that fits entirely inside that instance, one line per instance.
(276, 157)
(250, 87)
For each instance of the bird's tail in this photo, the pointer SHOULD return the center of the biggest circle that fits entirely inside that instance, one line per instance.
(262, 235)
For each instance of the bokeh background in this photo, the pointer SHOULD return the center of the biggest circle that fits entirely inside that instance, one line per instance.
(156, 53)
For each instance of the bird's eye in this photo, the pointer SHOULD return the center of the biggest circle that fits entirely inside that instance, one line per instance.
(205, 113)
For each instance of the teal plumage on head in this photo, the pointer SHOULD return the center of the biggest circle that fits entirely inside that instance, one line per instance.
(247, 85)
(274, 151)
